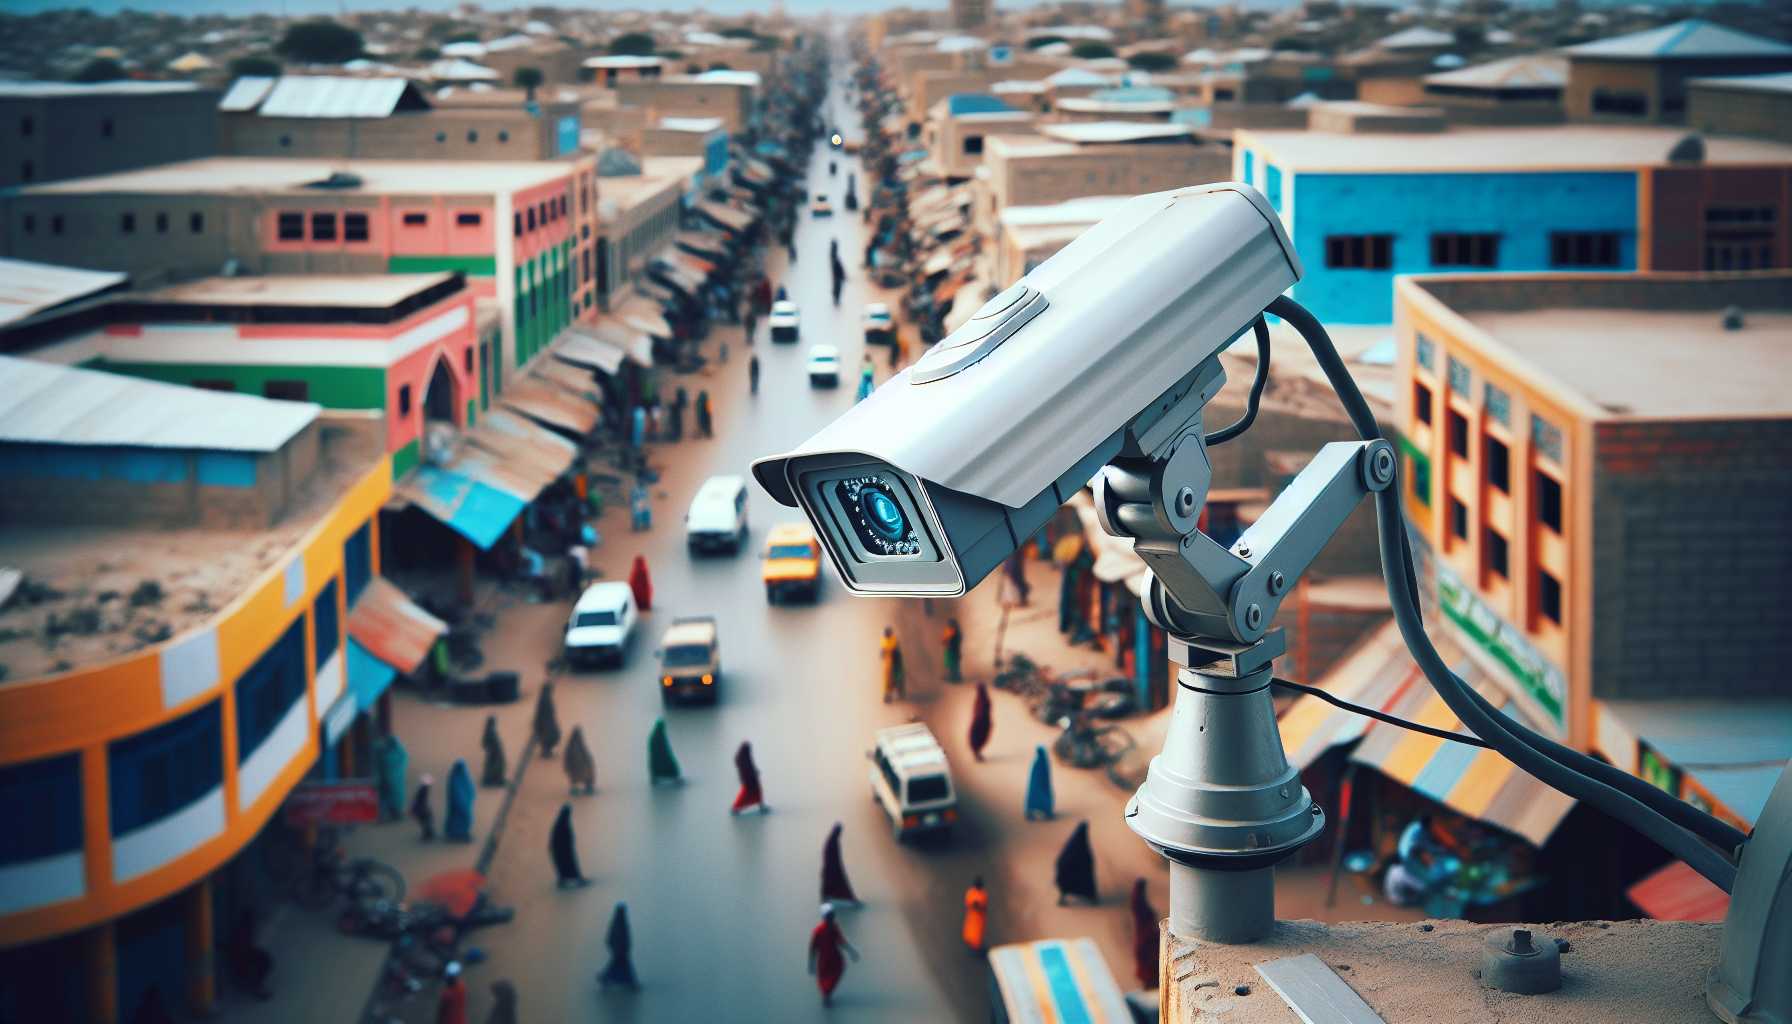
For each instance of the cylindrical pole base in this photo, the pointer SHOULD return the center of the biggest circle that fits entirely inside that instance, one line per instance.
(1231, 907)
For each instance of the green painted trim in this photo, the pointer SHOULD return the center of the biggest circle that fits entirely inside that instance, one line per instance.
(404, 459)
(333, 387)
(472, 412)
(1504, 644)
(473, 266)
(1423, 463)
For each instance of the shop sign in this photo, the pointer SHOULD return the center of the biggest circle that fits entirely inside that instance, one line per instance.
(345, 802)
(1503, 643)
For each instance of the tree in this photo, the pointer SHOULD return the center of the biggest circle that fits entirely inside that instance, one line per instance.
(1037, 41)
(101, 69)
(1151, 61)
(530, 79)
(1088, 49)
(693, 69)
(428, 53)
(257, 65)
(738, 32)
(719, 66)
(319, 42)
(1469, 37)
(632, 44)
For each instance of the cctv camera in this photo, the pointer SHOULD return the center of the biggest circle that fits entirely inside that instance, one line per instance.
(1105, 349)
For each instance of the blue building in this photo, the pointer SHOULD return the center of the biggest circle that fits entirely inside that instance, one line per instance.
(1364, 207)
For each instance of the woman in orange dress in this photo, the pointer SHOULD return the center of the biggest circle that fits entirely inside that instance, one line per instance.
(976, 908)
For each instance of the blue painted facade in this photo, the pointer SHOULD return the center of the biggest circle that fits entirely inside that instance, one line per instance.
(715, 154)
(24, 462)
(1523, 208)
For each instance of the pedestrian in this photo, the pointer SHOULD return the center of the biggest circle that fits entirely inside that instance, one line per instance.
(891, 653)
(503, 1003)
(458, 825)
(790, 244)
(393, 762)
(675, 421)
(547, 723)
(705, 427)
(750, 794)
(1039, 786)
(1076, 867)
(563, 848)
(655, 422)
(250, 965)
(640, 507)
(637, 434)
(621, 969)
(867, 377)
(662, 764)
(1016, 568)
(640, 584)
(981, 722)
(976, 908)
(835, 886)
(422, 810)
(752, 330)
(826, 943)
(451, 1005)
(581, 770)
(1144, 937)
(952, 643)
(895, 351)
(753, 375)
(493, 774)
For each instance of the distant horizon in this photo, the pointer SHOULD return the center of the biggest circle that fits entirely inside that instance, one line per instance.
(301, 8)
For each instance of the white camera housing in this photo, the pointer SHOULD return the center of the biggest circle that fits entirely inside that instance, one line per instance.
(980, 441)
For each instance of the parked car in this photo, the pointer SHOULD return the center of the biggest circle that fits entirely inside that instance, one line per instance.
(824, 366)
(690, 660)
(785, 320)
(601, 625)
(718, 516)
(880, 326)
(792, 563)
(821, 207)
(911, 780)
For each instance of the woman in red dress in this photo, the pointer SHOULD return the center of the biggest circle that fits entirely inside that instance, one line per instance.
(750, 795)
(981, 723)
(641, 584)
(827, 943)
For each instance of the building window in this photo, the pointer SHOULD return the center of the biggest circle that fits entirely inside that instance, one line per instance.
(466, 359)
(1498, 404)
(196, 223)
(1549, 596)
(973, 145)
(1549, 501)
(292, 227)
(1546, 437)
(213, 384)
(285, 142)
(269, 689)
(56, 224)
(1421, 402)
(46, 793)
(323, 227)
(324, 623)
(404, 400)
(127, 223)
(441, 136)
(354, 227)
(1740, 237)
(1458, 426)
(153, 774)
(287, 390)
(562, 201)
(416, 220)
(1458, 519)
(162, 223)
(472, 136)
(357, 561)
(503, 135)
(529, 219)
(1626, 104)
(1499, 466)
(1583, 248)
(467, 220)
(1427, 352)
(1460, 378)
(1497, 553)
(1419, 470)
(1359, 252)
(1479, 250)
(105, 128)
(519, 224)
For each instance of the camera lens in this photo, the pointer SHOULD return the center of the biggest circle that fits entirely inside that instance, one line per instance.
(882, 514)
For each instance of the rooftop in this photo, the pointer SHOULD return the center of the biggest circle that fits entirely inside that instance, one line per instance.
(263, 175)
(1541, 147)
(35, 90)
(27, 288)
(1527, 71)
(1691, 39)
(1778, 82)
(1628, 344)
(372, 290)
(1097, 132)
(1092, 105)
(324, 96)
(624, 61)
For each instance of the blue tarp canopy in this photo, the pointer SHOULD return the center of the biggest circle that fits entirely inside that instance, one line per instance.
(975, 103)
(368, 676)
(477, 511)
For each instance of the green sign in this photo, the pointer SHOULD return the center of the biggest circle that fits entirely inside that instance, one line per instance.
(1502, 642)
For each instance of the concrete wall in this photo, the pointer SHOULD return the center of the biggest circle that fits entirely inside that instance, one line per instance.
(1677, 201)
(559, 64)
(1726, 111)
(80, 136)
(1660, 84)
(447, 134)
(676, 97)
(1102, 171)
(125, 486)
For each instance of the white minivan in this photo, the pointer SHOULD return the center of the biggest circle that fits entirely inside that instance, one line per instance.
(911, 780)
(601, 625)
(718, 516)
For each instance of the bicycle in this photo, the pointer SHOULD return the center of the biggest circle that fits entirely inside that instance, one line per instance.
(1083, 745)
(332, 876)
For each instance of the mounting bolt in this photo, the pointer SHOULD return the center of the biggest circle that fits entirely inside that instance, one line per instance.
(1277, 583)
(1383, 465)
(1185, 501)
(1253, 616)
(1512, 961)
(1243, 550)
(1521, 940)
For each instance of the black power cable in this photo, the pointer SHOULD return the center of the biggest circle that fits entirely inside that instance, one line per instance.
(1260, 381)
(1670, 823)
(1380, 716)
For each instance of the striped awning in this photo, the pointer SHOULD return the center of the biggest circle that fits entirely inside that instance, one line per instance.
(392, 628)
(1678, 893)
(1056, 981)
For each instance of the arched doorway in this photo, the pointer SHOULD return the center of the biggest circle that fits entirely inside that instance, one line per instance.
(440, 399)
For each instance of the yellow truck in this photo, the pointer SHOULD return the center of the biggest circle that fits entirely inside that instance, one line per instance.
(792, 563)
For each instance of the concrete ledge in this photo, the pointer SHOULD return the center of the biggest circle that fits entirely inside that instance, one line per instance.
(1617, 971)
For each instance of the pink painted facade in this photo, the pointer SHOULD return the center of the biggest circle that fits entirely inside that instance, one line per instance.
(457, 350)
(541, 218)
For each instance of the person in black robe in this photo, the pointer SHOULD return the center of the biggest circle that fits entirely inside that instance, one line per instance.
(422, 810)
(1076, 867)
(564, 849)
(835, 887)
(494, 773)
(621, 969)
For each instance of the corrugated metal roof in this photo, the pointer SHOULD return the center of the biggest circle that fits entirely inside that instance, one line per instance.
(542, 401)
(583, 350)
(42, 403)
(536, 454)
(613, 330)
(731, 217)
(392, 627)
(1078, 76)
(1096, 132)
(1692, 38)
(335, 96)
(566, 376)
(644, 314)
(1527, 71)
(1416, 38)
(460, 71)
(126, 87)
(474, 509)
(1780, 81)
(246, 93)
(729, 76)
(28, 288)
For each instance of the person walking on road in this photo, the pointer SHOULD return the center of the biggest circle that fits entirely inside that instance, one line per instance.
(976, 909)
(640, 584)
(1144, 937)
(393, 762)
(1076, 867)
(503, 1003)
(547, 723)
(451, 1005)
(637, 432)
(563, 848)
(981, 723)
(1016, 568)
(705, 427)
(1039, 786)
(662, 764)
(750, 795)
(621, 968)
(422, 810)
(493, 773)
(640, 508)
(826, 944)
(952, 645)
(891, 653)
(835, 887)
(581, 769)
(458, 825)
(867, 378)
(753, 375)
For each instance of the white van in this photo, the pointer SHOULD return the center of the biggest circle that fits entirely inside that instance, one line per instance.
(911, 780)
(601, 624)
(718, 516)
